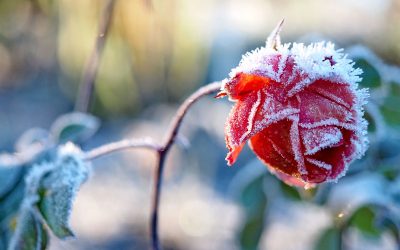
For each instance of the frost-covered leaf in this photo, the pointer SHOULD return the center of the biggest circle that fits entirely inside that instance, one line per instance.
(31, 136)
(8, 211)
(329, 240)
(74, 127)
(11, 200)
(59, 188)
(9, 177)
(30, 234)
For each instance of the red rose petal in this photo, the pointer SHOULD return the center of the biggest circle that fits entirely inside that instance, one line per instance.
(240, 122)
(242, 84)
(273, 146)
(338, 93)
(315, 108)
(315, 139)
(337, 156)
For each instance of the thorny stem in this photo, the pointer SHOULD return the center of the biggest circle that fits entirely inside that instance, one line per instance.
(162, 152)
(86, 87)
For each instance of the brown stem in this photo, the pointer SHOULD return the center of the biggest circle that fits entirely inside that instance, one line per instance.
(162, 154)
(162, 151)
(121, 145)
(86, 87)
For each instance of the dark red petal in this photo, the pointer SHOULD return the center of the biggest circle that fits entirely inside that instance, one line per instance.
(240, 123)
(336, 92)
(316, 139)
(243, 84)
(273, 147)
(336, 157)
(233, 154)
(316, 171)
(251, 115)
(316, 108)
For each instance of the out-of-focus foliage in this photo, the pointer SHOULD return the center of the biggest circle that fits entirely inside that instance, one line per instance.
(40, 186)
(366, 198)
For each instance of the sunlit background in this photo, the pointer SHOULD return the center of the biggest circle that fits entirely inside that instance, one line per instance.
(156, 54)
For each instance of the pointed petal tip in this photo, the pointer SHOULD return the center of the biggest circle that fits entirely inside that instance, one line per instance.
(220, 94)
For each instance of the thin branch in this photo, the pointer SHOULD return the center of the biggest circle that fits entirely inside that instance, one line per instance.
(86, 87)
(176, 123)
(162, 151)
(121, 145)
(170, 139)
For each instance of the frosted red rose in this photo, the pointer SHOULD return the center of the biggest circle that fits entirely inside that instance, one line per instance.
(300, 109)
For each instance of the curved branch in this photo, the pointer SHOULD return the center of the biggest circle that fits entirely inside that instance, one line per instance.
(179, 115)
(121, 145)
(170, 139)
(161, 149)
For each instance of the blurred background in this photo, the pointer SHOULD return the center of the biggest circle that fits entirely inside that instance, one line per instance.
(156, 54)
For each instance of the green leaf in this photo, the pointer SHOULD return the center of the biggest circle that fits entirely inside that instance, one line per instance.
(253, 228)
(390, 110)
(364, 220)
(75, 127)
(371, 77)
(254, 202)
(252, 194)
(30, 233)
(55, 205)
(371, 122)
(9, 178)
(290, 192)
(330, 239)
(11, 199)
(58, 190)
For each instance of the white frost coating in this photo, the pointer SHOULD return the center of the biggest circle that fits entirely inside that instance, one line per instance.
(344, 171)
(320, 164)
(299, 86)
(291, 77)
(252, 114)
(70, 149)
(282, 62)
(296, 147)
(318, 139)
(275, 117)
(333, 97)
(329, 122)
(311, 59)
(277, 149)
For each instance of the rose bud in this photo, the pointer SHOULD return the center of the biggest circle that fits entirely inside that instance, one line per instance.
(300, 109)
